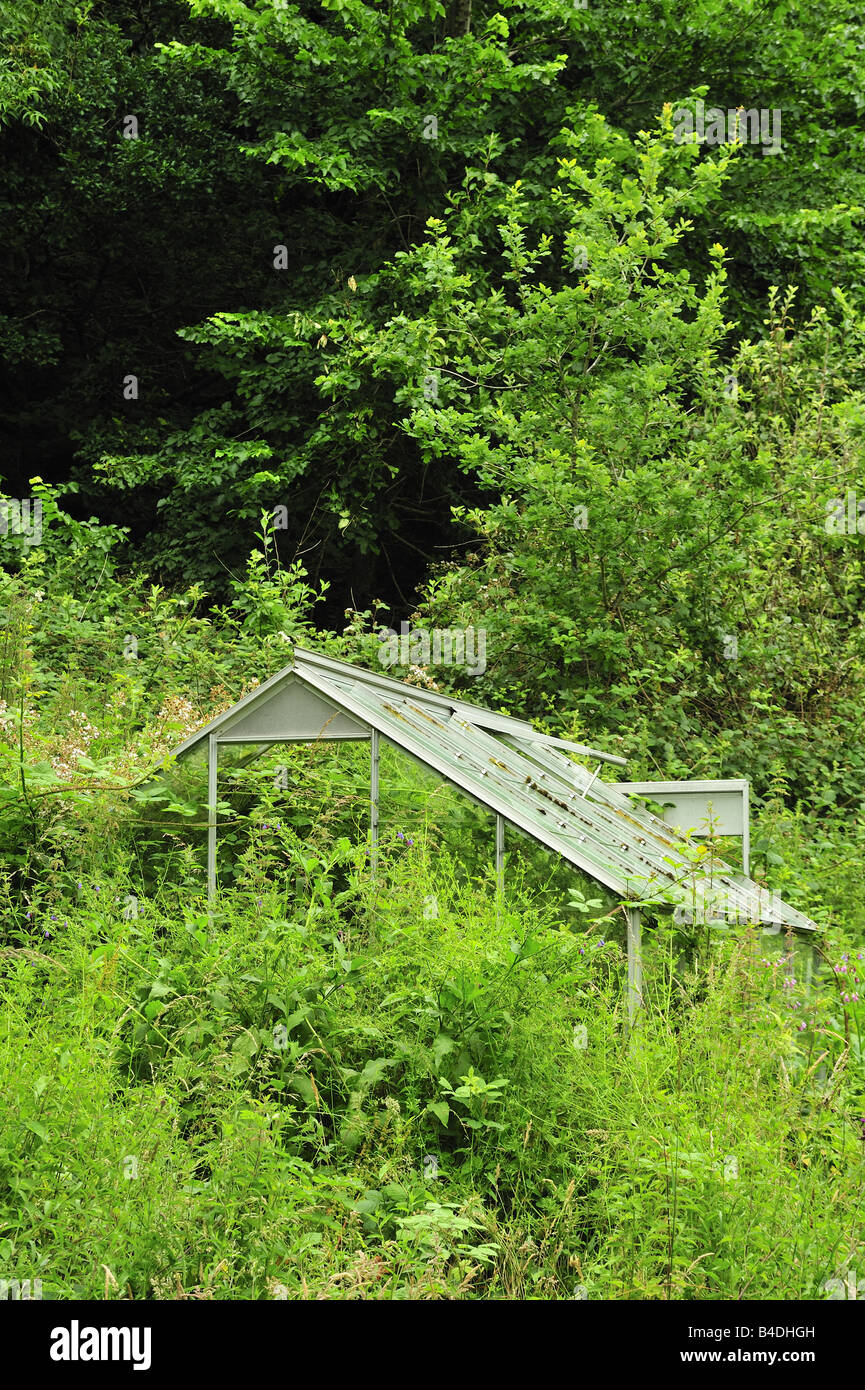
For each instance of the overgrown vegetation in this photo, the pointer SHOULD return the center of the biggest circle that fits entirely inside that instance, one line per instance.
(540, 369)
(332, 1087)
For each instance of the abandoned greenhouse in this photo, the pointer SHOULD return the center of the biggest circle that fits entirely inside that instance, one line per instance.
(521, 777)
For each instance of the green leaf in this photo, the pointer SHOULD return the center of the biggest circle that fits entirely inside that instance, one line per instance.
(443, 1044)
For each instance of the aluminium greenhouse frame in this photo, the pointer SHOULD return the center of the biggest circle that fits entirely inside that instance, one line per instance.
(522, 777)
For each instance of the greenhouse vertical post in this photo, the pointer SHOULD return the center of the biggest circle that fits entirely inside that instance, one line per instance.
(500, 864)
(373, 801)
(212, 761)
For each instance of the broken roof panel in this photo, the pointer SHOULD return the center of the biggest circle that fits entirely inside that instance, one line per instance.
(340, 672)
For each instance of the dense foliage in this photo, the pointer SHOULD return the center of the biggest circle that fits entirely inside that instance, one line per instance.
(324, 316)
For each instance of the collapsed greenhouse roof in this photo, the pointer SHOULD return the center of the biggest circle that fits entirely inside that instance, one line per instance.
(507, 767)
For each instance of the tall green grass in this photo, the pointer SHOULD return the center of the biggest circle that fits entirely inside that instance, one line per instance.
(338, 1088)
